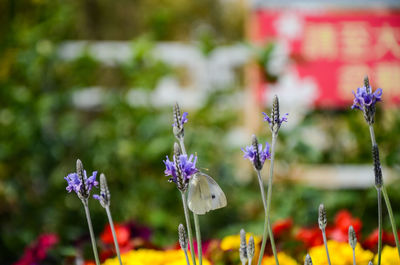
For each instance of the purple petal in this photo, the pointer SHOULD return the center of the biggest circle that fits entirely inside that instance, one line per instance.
(284, 117)
(184, 118)
(378, 93)
(266, 117)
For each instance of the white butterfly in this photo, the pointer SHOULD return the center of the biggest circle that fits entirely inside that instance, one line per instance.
(204, 194)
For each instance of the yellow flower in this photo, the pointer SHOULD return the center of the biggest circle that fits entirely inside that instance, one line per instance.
(152, 257)
(283, 260)
(233, 242)
(340, 253)
(390, 256)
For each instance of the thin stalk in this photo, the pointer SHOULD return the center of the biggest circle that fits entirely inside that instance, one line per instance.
(391, 217)
(267, 202)
(272, 242)
(386, 198)
(189, 227)
(354, 256)
(379, 225)
(267, 222)
(264, 241)
(186, 256)
(198, 237)
(110, 221)
(89, 221)
(326, 246)
(250, 260)
(182, 144)
(195, 217)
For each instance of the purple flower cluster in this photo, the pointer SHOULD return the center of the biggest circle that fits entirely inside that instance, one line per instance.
(82, 188)
(185, 166)
(364, 97)
(284, 118)
(183, 120)
(250, 153)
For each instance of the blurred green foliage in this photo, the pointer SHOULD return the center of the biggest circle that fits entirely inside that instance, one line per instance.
(42, 131)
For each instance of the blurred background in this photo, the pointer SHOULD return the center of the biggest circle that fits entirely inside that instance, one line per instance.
(96, 80)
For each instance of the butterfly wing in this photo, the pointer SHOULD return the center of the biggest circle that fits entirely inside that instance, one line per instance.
(205, 194)
(199, 195)
(218, 198)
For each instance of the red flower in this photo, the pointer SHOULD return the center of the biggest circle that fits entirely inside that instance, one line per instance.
(310, 236)
(123, 235)
(89, 262)
(343, 220)
(282, 226)
(371, 242)
(123, 238)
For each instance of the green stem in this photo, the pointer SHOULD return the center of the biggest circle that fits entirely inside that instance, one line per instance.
(186, 256)
(267, 203)
(391, 217)
(272, 242)
(386, 198)
(196, 218)
(189, 227)
(182, 144)
(264, 241)
(110, 221)
(198, 237)
(326, 246)
(354, 256)
(379, 225)
(89, 221)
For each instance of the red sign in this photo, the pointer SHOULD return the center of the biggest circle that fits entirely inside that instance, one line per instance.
(336, 49)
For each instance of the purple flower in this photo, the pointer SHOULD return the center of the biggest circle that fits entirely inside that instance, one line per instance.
(170, 169)
(82, 188)
(183, 120)
(186, 168)
(284, 118)
(250, 153)
(364, 98)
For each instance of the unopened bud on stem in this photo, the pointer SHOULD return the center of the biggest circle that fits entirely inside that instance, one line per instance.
(183, 240)
(322, 217)
(243, 247)
(250, 249)
(307, 260)
(256, 162)
(352, 237)
(377, 166)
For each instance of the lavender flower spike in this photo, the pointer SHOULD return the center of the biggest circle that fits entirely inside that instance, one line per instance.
(104, 196)
(365, 100)
(179, 121)
(256, 154)
(181, 169)
(275, 121)
(80, 183)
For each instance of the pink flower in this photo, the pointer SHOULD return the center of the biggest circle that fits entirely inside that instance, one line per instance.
(37, 251)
